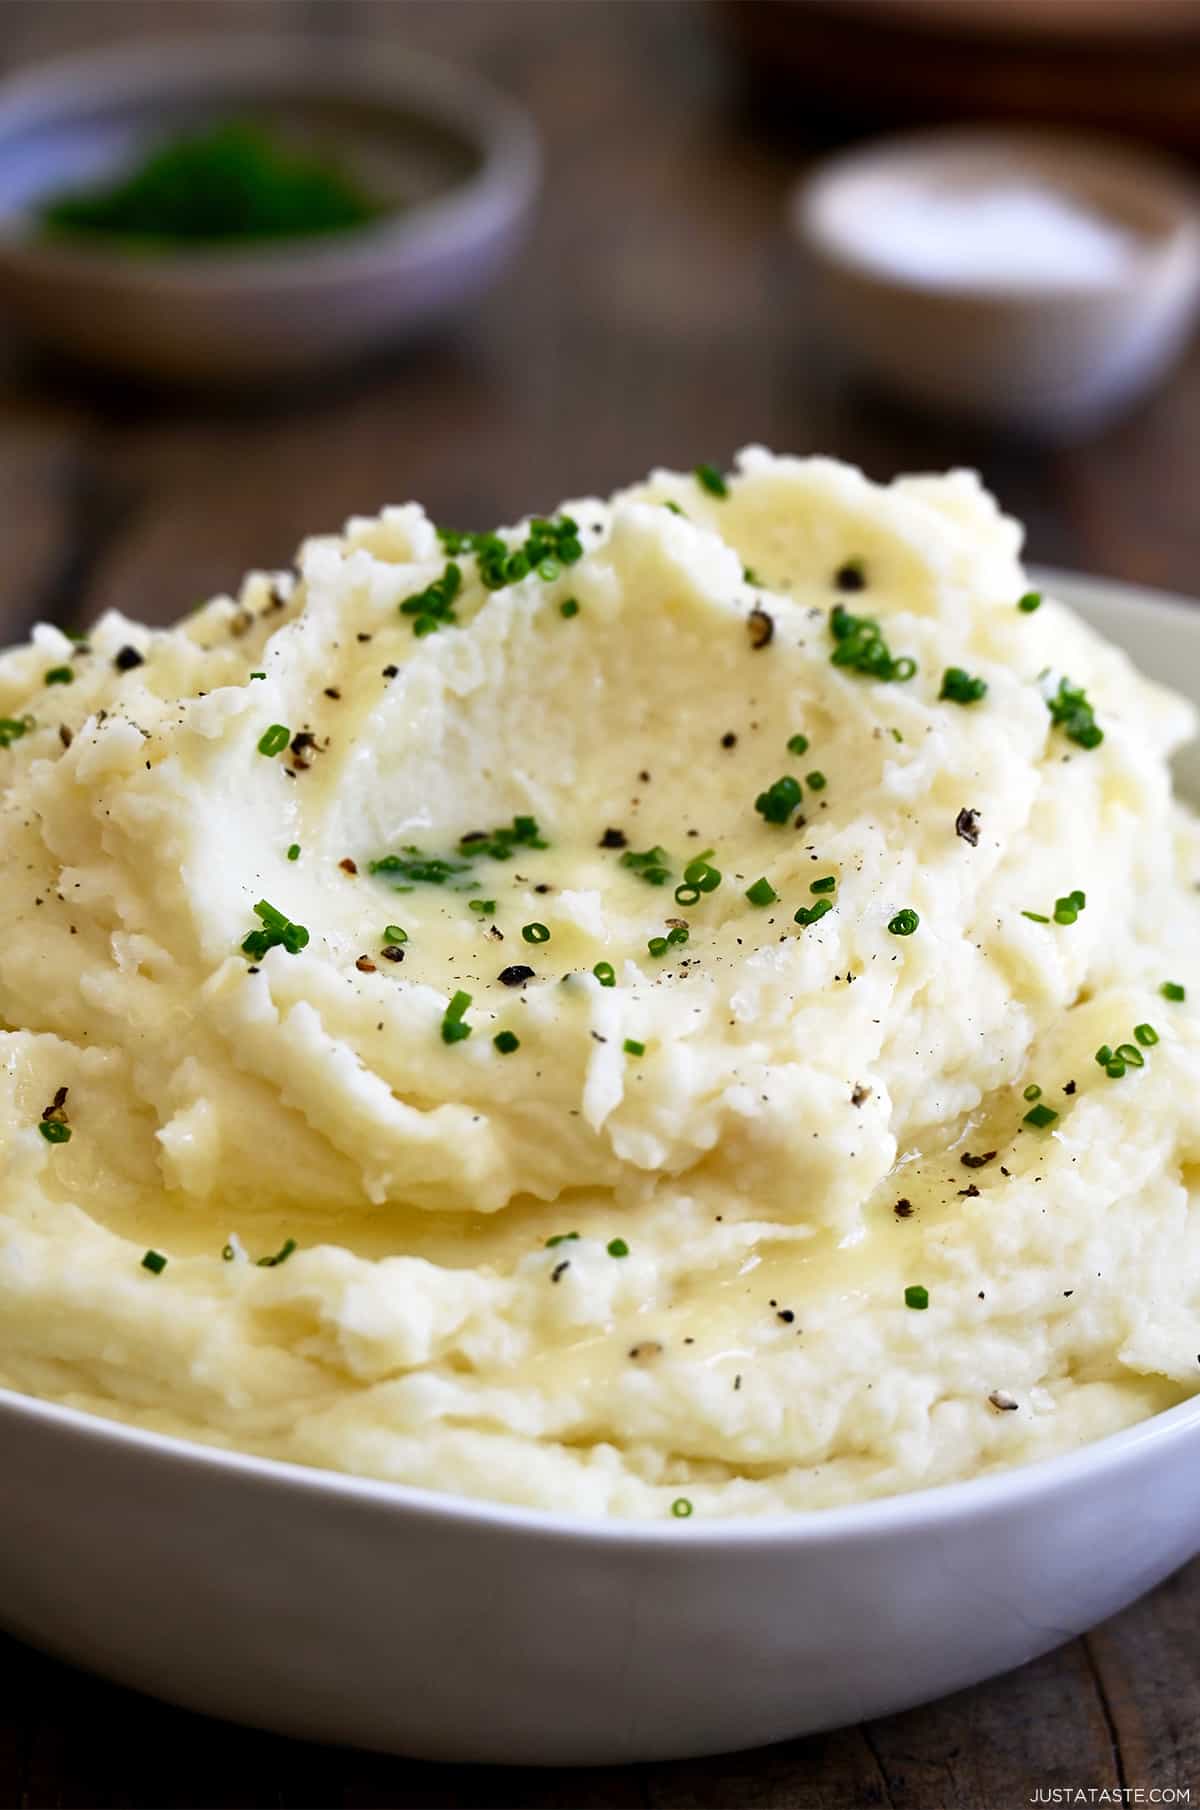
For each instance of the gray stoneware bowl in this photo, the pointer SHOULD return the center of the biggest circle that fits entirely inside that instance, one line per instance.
(455, 164)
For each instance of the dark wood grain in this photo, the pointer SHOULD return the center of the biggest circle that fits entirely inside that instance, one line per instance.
(656, 316)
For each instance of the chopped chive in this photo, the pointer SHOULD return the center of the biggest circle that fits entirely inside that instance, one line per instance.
(278, 932)
(681, 1508)
(652, 864)
(811, 914)
(392, 933)
(273, 1261)
(687, 895)
(560, 1238)
(859, 644)
(1114, 1069)
(617, 1247)
(506, 1042)
(293, 853)
(960, 688)
(798, 744)
(55, 1131)
(535, 933)
(1129, 1053)
(1031, 601)
(60, 675)
(657, 946)
(761, 893)
(1145, 1034)
(816, 781)
(258, 675)
(1171, 989)
(710, 479)
(155, 1262)
(1036, 917)
(904, 922)
(700, 874)
(827, 883)
(569, 607)
(778, 802)
(633, 1047)
(274, 740)
(1033, 1091)
(1071, 712)
(674, 508)
(1041, 1115)
(12, 728)
(605, 973)
(915, 1295)
(485, 907)
(453, 1028)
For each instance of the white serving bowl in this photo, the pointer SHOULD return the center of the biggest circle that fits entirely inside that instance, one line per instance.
(1050, 358)
(454, 162)
(339, 1609)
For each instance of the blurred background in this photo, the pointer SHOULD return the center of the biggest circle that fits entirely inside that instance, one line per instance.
(659, 309)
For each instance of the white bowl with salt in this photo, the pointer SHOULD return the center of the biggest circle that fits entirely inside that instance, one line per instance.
(1037, 280)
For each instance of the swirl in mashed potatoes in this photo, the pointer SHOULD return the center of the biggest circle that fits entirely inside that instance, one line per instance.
(687, 1002)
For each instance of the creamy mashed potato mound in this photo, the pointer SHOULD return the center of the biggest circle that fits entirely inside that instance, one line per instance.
(769, 1218)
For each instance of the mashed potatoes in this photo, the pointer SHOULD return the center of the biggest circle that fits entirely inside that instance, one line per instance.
(561, 1017)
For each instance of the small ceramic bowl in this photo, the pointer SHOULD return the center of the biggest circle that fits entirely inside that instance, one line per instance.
(454, 163)
(1050, 351)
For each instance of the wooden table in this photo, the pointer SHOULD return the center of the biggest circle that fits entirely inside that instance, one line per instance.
(656, 316)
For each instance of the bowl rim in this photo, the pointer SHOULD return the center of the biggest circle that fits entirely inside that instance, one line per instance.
(915, 1512)
(1134, 167)
(388, 73)
(918, 1511)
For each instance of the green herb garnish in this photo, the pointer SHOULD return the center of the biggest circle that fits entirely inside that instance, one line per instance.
(278, 932)
(1074, 715)
(55, 1131)
(605, 973)
(827, 883)
(1171, 989)
(633, 1047)
(535, 933)
(1031, 601)
(501, 844)
(274, 740)
(433, 608)
(506, 1042)
(561, 1238)
(155, 1262)
(418, 868)
(453, 1028)
(960, 688)
(60, 675)
(1040, 1116)
(652, 865)
(710, 479)
(904, 922)
(859, 644)
(1145, 1034)
(762, 893)
(617, 1247)
(681, 1508)
(569, 607)
(226, 183)
(293, 853)
(811, 914)
(12, 728)
(798, 744)
(778, 802)
(916, 1296)
(277, 1257)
